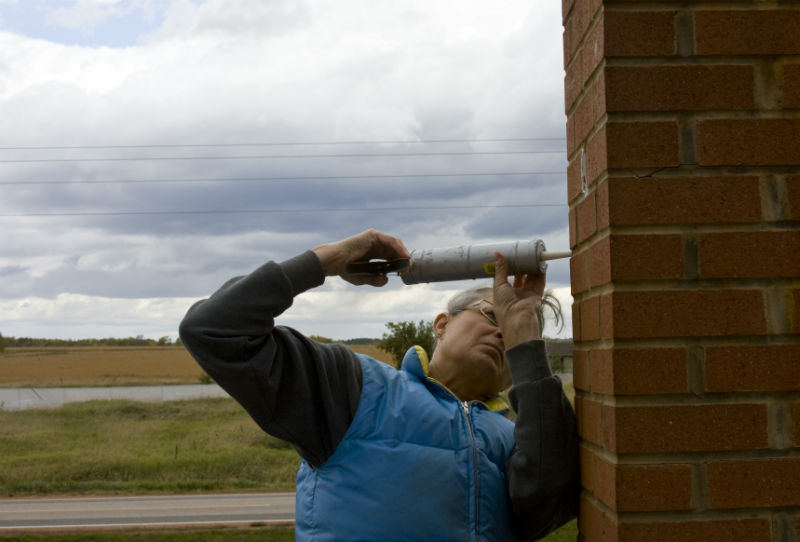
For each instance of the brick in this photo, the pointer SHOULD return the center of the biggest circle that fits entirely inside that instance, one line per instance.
(566, 7)
(747, 32)
(589, 415)
(580, 370)
(593, 50)
(754, 483)
(598, 88)
(588, 111)
(725, 530)
(688, 428)
(642, 144)
(796, 311)
(601, 367)
(575, 27)
(790, 87)
(599, 264)
(579, 272)
(571, 143)
(688, 313)
(576, 322)
(596, 155)
(768, 367)
(645, 257)
(749, 142)
(584, 118)
(637, 488)
(603, 480)
(639, 33)
(591, 520)
(573, 228)
(574, 179)
(682, 2)
(773, 254)
(603, 212)
(644, 371)
(642, 488)
(797, 424)
(586, 218)
(701, 200)
(679, 88)
(606, 317)
(590, 319)
(573, 84)
(587, 468)
(793, 192)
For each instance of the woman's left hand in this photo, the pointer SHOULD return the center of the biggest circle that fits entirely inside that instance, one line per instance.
(517, 306)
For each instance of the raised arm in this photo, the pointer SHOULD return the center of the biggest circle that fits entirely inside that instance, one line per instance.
(294, 388)
(543, 471)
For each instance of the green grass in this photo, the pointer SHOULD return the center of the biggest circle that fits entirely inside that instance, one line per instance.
(568, 533)
(126, 447)
(278, 534)
(116, 447)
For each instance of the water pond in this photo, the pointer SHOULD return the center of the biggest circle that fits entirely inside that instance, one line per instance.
(24, 398)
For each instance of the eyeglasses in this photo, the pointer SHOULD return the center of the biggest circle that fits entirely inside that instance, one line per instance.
(487, 313)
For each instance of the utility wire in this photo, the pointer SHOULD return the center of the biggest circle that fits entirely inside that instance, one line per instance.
(281, 211)
(273, 179)
(272, 156)
(282, 144)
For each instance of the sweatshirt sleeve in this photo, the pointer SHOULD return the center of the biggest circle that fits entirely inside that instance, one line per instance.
(294, 388)
(543, 471)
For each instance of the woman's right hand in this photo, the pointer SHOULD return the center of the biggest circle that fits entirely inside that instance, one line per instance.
(369, 244)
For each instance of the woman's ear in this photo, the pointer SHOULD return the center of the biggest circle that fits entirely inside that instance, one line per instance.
(439, 324)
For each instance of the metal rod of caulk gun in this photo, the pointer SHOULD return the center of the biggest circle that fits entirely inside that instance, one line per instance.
(546, 256)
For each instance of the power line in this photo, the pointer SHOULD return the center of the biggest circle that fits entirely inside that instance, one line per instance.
(282, 144)
(292, 178)
(272, 156)
(281, 211)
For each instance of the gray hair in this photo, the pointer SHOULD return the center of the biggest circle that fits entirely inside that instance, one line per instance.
(463, 299)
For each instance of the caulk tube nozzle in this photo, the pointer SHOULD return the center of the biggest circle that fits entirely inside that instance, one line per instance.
(474, 261)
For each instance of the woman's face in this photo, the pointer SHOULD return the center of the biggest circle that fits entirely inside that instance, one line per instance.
(470, 354)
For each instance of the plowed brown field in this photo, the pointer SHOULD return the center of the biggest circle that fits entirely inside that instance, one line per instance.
(102, 366)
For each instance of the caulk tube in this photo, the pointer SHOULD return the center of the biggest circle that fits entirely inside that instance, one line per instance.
(474, 261)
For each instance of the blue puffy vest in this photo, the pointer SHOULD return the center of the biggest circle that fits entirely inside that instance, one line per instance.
(415, 464)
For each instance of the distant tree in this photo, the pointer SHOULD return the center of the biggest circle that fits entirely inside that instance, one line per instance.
(2, 343)
(404, 335)
(166, 340)
(321, 339)
(361, 341)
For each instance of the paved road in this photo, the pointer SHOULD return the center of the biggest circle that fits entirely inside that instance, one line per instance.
(144, 511)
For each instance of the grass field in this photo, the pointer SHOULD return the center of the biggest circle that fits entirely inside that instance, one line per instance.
(126, 447)
(568, 533)
(100, 366)
(253, 534)
(109, 366)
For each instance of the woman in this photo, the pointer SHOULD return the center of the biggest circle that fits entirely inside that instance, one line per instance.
(424, 453)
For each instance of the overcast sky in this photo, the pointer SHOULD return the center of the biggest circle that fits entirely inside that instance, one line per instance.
(152, 149)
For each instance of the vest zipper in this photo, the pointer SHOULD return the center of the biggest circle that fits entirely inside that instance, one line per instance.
(476, 488)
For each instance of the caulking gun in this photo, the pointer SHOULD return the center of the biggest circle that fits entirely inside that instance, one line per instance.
(463, 262)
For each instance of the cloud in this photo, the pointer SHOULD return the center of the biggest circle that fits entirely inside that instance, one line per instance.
(224, 133)
(83, 15)
(79, 316)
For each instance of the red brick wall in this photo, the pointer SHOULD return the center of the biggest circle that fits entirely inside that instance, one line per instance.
(683, 136)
